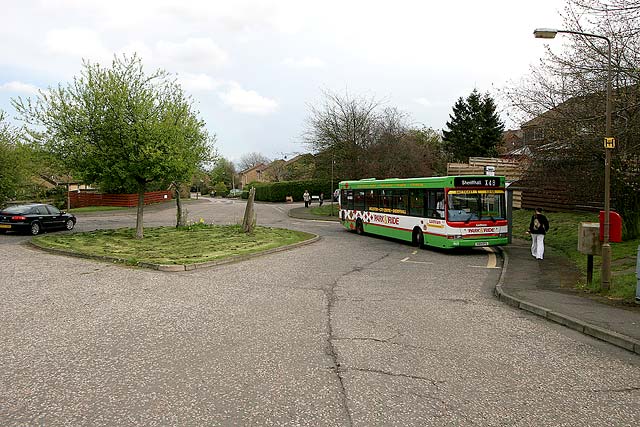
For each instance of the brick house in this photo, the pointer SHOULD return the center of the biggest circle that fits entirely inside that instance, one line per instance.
(254, 173)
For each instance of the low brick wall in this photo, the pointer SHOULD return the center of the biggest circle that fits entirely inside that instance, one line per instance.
(84, 199)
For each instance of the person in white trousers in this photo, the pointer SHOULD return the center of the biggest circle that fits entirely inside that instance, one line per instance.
(538, 227)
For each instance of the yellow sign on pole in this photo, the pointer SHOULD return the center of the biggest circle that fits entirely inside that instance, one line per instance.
(609, 143)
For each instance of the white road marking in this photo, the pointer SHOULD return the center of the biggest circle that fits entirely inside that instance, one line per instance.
(415, 262)
(414, 252)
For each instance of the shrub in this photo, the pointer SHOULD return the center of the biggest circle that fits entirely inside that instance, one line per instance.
(221, 189)
(278, 191)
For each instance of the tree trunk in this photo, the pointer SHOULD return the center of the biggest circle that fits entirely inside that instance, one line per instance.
(180, 216)
(139, 216)
(249, 221)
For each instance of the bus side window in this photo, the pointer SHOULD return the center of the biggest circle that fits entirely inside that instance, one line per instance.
(371, 200)
(358, 202)
(400, 202)
(435, 204)
(386, 197)
(350, 199)
(416, 203)
(346, 199)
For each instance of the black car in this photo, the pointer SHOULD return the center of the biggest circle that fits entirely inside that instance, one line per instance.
(35, 218)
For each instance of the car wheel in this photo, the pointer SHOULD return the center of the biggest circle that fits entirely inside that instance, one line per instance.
(35, 228)
(69, 224)
(359, 227)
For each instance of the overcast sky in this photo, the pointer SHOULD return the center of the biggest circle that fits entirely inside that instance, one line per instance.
(254, 67)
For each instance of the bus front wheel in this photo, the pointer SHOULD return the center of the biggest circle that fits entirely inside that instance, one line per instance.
(418, 238)
(359, 227)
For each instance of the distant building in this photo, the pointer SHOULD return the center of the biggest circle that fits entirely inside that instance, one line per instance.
(53, 181)
(511, 140)
(254, 173)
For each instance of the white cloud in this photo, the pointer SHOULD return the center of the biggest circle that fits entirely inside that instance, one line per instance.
(194, 52)
(19, 87)
(247, 101)
(80, 42)
(424, 102)
(306, 62)
(197, 82)
(139, 48)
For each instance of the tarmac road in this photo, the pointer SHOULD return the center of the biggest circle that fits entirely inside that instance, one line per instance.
(347, 331)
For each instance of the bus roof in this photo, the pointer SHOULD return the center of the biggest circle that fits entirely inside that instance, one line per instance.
(427, 182)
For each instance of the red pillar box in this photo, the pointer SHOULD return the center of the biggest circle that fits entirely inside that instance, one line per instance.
(615, 227)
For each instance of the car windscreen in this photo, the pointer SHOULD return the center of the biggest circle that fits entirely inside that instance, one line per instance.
(53, 210)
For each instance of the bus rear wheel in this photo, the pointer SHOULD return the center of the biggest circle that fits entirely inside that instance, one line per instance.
(359, 227)
(418, 238)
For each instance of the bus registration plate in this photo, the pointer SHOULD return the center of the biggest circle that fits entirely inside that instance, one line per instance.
(482, 243)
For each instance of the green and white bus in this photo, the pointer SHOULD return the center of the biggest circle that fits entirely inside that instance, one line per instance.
(445, 211)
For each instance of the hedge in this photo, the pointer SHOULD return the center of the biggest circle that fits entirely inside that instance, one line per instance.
(278, 191)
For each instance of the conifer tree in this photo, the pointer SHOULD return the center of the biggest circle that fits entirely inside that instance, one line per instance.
(474, 128)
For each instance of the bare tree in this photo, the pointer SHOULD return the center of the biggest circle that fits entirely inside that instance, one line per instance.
(345, 126)
(252, 159)
(358, 137)
(566, 95)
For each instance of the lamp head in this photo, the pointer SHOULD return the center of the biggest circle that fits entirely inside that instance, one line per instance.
(545, 33)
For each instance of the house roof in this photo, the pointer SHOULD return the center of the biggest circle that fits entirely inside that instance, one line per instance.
(260, 166)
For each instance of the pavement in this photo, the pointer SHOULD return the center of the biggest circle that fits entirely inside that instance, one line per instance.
(546, 288)
(305, 213)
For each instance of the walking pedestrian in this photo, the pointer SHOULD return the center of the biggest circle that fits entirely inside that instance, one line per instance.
(321, 199)
(307, 198)
(538, 227)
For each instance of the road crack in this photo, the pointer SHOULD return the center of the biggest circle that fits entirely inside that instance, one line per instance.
(331, 351)
(433, 382)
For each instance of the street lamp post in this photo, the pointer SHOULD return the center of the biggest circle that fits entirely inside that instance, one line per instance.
(549, 33)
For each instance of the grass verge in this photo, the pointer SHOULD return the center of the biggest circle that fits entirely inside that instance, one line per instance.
(325, 210)
(89, 209)
(563, 238)
(174, 246)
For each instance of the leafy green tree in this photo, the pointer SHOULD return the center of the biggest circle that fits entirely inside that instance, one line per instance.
(17, 162)
(221, 189)
(474, 128)
(224, 171)
(121, 127)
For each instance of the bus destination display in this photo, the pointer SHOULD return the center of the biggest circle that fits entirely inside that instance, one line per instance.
(472, 181)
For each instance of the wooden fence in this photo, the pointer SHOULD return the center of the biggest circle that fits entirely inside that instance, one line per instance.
(511, 170)
(83, 199)
(557, 189)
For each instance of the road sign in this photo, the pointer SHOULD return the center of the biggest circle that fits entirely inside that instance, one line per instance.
(609, 143)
